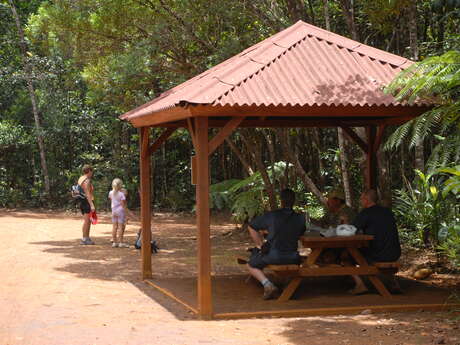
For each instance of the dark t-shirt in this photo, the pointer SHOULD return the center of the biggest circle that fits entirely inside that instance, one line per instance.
(284, 228)
(379, 222)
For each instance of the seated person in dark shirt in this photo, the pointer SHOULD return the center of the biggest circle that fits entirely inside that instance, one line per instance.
(379, 222)
(284, 228)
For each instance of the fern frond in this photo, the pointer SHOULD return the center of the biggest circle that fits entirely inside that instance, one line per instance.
(398, 136)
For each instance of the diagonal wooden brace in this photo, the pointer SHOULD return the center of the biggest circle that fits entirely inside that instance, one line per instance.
(229, 127)
(163, 137)
(355, 138)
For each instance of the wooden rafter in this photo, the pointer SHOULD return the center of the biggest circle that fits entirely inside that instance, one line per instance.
(224, 133)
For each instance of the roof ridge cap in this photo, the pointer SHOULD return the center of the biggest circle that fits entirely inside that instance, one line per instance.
(355, 45)
(271, 40)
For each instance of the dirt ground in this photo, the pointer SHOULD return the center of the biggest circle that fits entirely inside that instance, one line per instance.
(54, 291)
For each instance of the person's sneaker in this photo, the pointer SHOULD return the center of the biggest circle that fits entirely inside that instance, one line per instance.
(269, 291)
(114, 244)
(123, 245)
(86, 242)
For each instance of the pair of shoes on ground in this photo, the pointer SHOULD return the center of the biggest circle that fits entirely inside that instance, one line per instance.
(86, 242)
(270, 290)
(120, 245)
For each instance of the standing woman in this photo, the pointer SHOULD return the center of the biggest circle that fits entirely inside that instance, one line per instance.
(86, 204)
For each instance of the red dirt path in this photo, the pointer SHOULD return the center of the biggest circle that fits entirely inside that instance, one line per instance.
(54, 291)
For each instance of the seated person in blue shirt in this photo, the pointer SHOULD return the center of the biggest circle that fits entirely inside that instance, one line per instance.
(284, 228)
(379, 222)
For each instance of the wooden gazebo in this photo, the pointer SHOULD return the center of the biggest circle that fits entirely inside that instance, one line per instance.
(303, 76)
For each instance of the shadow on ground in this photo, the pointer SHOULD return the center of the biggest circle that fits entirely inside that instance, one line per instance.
(174, 269)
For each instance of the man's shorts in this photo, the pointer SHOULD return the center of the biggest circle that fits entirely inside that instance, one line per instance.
(259, 260)
(85, 206)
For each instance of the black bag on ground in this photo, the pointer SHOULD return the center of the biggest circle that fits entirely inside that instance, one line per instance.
(138, 243)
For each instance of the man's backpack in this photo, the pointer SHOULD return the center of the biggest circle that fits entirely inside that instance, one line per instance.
(77, 192)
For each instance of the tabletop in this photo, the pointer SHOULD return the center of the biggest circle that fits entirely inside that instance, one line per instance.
(356, 241)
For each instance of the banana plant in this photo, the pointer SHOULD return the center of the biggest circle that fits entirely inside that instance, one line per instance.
(452, 184)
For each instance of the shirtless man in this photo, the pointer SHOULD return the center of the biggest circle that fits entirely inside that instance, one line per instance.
(86, 204)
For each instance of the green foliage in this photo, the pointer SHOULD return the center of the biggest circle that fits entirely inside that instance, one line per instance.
(452, 184)
(435, 80)
(93, 60)
(422, 207)
(12, 136)
(247, 198)
(450, 243)
(221, 195)
(309, 204)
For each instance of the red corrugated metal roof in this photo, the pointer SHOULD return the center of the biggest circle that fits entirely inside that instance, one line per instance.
(302, 65)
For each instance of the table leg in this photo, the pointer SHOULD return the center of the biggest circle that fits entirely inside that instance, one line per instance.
(315, 253)
(375, 280)
(290, 289)
(379, 286)
(295, 282)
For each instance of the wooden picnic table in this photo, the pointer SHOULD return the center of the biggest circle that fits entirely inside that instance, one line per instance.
(310, 267)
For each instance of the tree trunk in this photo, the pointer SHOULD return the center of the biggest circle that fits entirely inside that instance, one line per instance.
(223, 165)
(312, 12)
(419, 155)
(344, 166)
(243, 160)
(349, 13)
(384, 178)
(296, 10)
(413, 29)
(327, 19)
(33, 99)
(317, 144)
(270, 138)
(254, 146)
(308, 182)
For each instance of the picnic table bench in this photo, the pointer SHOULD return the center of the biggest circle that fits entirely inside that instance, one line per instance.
(311, 268)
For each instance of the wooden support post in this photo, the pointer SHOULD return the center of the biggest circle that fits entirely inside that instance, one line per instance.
(379, 137)
(371, 161)
(202, 215)
(146, 252)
